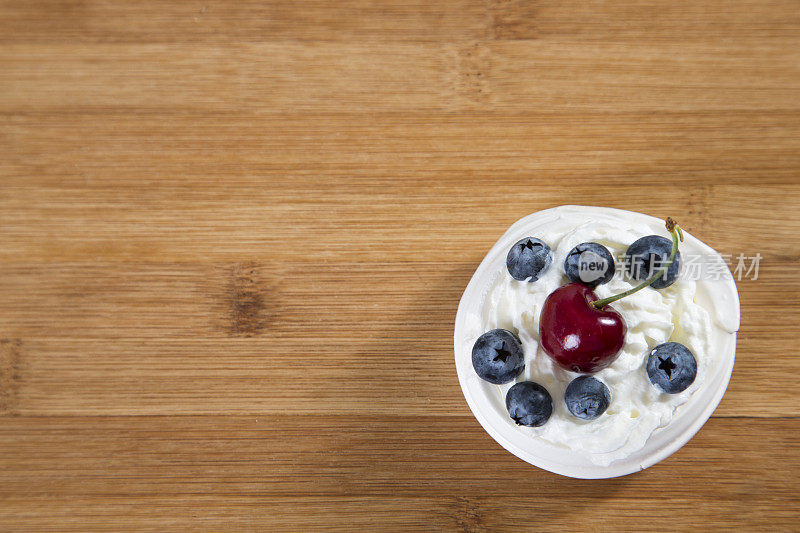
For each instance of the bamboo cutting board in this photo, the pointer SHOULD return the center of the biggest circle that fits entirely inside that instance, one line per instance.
(233, 237)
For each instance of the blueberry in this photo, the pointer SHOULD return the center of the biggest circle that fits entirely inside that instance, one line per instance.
(671, 367)
(529, 404)
(587, 397)
(497, 356)
(648, 255)
(528, 259)
(589, 263)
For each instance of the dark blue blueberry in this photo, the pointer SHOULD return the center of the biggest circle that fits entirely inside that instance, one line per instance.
(671, 367)
(529, 404)
(647, 256)
(589, 263)
(497, 356)
(587, 397)
(528, 259)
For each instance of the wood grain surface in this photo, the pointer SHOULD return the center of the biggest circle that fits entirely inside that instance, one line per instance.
(233, 237)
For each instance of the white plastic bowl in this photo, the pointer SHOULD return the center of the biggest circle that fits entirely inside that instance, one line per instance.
(689, 417)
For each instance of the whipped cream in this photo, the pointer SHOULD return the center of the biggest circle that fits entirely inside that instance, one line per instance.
(676, 313)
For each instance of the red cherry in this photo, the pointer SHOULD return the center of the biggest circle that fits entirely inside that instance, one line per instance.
(577, 335)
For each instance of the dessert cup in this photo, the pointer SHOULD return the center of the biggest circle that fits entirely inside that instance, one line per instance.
(719, 297)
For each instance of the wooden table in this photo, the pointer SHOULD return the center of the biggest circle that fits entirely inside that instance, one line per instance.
(233, 237)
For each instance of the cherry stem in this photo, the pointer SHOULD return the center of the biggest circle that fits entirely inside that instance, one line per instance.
(677, 233)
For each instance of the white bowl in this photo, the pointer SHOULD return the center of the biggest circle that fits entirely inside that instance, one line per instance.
(688, 418)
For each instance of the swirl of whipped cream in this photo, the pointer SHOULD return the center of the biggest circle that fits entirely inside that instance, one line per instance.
(653, 316)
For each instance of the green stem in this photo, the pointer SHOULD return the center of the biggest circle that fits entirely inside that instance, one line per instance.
(676, 233)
